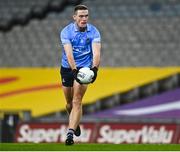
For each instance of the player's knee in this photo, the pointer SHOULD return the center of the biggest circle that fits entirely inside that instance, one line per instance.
(77, 104)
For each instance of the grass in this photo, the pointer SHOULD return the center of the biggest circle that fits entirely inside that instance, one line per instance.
(88, 147)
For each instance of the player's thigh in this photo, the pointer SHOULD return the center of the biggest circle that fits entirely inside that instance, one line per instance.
(67, 83)
(68, 93)
(79, 90)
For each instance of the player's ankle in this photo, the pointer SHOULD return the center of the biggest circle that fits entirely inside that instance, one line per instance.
(70, 131)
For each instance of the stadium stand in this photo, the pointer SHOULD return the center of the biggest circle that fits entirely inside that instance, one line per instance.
(20, 12)
(134, 33)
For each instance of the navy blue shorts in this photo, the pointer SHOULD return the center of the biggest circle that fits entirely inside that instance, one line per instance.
(67, 77)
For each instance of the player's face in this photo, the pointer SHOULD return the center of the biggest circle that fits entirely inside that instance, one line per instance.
(81, 18)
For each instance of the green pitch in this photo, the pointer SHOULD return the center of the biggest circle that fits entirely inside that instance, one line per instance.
(89, 147)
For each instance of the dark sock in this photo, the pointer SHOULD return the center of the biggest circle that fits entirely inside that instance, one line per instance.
(70, 133)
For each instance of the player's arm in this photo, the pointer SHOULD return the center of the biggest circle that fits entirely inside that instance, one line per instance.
(69, 54)
(65, 37)
(96, 48)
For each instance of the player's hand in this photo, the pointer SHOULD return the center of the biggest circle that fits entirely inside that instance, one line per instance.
(75, 72)
(95, 70)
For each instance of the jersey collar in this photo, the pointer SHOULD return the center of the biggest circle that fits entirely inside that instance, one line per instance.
(76, 28)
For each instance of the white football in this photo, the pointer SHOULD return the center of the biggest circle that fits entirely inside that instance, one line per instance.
(85, 75)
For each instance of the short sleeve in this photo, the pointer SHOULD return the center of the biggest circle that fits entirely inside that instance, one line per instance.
(64, 36)
(97, 36)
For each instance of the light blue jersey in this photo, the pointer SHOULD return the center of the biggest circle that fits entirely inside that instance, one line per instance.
(81, 43)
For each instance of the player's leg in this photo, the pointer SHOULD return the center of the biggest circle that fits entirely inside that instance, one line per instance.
(67, 87)
(68, 93)
(76, 112)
